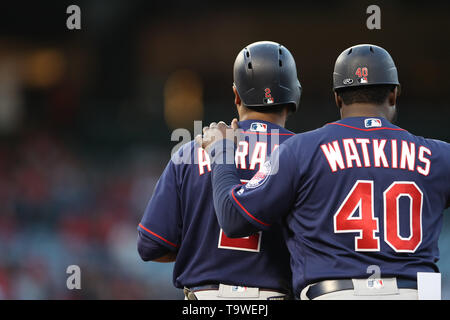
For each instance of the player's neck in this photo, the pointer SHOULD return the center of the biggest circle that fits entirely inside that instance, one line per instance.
(279, 120)
(362, 110)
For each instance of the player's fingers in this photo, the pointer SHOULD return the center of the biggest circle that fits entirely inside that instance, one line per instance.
(222, 124)
(205, 128)
(206, 140)
(198, 139)
(212, 125)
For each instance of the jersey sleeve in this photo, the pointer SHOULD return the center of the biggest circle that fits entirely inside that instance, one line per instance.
(162, 218)
(441, 152)
(148, 248)
(446, 147)
(270, 194)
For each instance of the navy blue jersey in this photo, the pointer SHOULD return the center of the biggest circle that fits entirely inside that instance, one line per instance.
(354, 193)
(180, 217)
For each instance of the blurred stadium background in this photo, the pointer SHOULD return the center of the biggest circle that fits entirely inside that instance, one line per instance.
(86, 117)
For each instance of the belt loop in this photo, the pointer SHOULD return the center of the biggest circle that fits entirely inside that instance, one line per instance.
(189, 294)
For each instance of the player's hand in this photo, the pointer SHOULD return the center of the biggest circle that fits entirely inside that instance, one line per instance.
(216, 132)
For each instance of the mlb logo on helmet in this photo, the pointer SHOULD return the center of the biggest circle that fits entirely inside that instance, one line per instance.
(372, 123)
(258, 127)
(363, 80)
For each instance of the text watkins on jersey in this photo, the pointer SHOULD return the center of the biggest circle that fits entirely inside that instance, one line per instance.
(378, 153)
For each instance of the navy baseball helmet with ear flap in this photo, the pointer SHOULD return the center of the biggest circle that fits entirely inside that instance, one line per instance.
(265, 75)
(364, 65)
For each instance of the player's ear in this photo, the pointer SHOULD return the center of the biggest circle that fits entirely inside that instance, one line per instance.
(392, 98)
(237, 99)
(338, 100)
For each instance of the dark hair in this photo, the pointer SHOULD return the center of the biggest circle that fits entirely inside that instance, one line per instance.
(273, 109)
(376, 94)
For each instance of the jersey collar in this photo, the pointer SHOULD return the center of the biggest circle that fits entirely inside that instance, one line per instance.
(262, 127)
(366, 123)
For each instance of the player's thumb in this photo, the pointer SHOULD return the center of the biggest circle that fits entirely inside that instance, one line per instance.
(234, 124)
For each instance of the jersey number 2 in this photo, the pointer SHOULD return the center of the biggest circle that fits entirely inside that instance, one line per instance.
(366, 224)
(251, 243)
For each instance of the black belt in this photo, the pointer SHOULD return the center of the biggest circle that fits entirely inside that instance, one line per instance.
(329, 286)
(205, 287)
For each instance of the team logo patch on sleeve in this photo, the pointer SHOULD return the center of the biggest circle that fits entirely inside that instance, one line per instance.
(258, 127)
(372, 123)
(260, 177)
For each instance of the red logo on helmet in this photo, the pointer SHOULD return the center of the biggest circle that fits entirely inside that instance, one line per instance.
(268, 97)
(362, 74)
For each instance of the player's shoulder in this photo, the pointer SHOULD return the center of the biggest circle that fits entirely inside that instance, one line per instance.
(306, 138)
(438, 143)
(439, 149)
(185, 154)
(431, 143)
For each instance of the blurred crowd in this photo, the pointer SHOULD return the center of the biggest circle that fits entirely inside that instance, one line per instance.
(60, 209)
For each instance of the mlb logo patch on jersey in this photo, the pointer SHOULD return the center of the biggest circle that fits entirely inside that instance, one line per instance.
(375, 283)
(258, 127)
(372, 123)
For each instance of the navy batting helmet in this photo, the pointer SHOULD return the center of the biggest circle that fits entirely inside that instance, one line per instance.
(265, 75)
(363, 65)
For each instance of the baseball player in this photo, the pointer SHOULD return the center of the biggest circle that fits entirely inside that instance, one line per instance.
(179, 223)
(361, 199)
